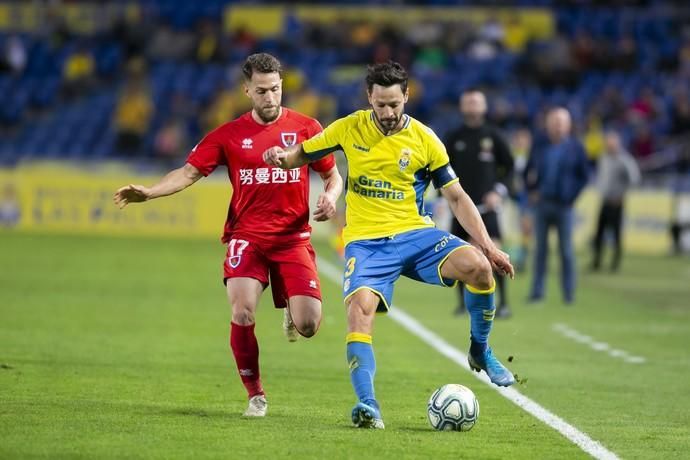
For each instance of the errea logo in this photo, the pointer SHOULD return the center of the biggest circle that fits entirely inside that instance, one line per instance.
(247, 143)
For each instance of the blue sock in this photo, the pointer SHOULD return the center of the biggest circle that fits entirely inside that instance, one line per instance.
(481, 307)
(360, 358)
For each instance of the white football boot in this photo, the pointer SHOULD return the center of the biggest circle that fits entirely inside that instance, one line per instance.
(257, 406)
(289, 328)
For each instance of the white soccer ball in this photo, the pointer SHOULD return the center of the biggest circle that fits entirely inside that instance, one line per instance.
(453, 408)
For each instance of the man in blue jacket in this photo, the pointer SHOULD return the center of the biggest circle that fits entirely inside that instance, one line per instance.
(555, 175)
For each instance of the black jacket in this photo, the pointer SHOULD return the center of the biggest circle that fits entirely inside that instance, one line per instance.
(481, 159)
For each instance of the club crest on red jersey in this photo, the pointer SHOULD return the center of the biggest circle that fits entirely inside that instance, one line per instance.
(235, 250)
(234, 261)
(288, 139)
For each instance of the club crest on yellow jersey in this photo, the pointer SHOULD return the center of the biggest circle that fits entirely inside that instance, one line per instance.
(404, 160)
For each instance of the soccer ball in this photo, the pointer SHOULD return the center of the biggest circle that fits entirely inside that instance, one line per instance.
(453, 408)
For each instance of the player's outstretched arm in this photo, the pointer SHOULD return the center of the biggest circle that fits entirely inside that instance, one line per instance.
(173, 182)
(332, 187)
(289, 158)
(466, 212)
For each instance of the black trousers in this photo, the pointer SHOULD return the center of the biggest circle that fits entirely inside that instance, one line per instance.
(610, 219)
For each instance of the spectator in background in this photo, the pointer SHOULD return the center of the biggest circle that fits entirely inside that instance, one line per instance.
(584, 50)
(482, 161)
(431, 58)
(551, 63)
(680, 112)
(684, 59)
(616, 172)
(304, 99)
(54, 28)
(492, 30)
(642, 144)
(520, 146)
(168, 43)
(679, 226)
(594, 139)
(222, 109)
(208, 43)
(625, 54)
(132, 117)
(78, 73)
(243, 39)
(487, 42)
(10, 211)
(14, 56)
(556, 174)
(646, 107)
(132, 32)
(610, 105)
(170, 142)
(516, 34)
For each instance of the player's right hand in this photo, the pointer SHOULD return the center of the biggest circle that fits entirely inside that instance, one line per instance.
(500, 261)
(274, 156)
(131, 194)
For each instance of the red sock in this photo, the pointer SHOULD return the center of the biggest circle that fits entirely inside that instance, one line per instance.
(246, 350)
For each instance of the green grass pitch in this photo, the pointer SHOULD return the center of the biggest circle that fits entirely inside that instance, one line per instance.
(118, 348)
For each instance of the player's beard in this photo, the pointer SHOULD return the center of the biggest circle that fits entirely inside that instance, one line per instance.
(388, 124)
(268, 114)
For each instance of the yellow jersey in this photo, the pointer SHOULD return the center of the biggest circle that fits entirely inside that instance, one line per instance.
(387, 175)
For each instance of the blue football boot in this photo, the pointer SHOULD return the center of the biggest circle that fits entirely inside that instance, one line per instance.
(367, 416)
(486, 361)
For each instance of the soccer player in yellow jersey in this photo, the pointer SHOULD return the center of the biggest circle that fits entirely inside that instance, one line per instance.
(392, 158)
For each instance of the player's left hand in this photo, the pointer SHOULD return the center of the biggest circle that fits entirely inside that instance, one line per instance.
(131, 194)
(325, 208)
(500, 261)
(274, 156)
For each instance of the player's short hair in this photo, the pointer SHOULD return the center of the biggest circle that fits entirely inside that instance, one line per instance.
(472, 89)
(386, 74)
(261, 63)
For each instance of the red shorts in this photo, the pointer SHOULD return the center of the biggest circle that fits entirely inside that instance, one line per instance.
(291, 269)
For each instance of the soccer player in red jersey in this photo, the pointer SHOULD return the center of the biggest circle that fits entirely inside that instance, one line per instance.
(267, 229)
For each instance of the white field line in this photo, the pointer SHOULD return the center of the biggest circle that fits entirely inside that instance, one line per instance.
(596, 345)
(582, 440)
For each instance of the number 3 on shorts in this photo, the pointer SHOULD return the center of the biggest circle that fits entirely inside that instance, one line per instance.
(350, 266)
(235, 250)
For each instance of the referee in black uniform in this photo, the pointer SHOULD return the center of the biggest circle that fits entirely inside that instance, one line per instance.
(482, 160)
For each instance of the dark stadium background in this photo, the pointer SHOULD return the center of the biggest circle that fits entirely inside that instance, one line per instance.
(113, 323)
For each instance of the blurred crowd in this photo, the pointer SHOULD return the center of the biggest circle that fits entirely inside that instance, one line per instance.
(147, 84)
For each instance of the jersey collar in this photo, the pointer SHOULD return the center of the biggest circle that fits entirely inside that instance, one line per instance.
(406, 123)
(283, 114)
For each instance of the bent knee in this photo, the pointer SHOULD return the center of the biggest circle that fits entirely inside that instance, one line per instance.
(363, 304)
(242, 313)
(360, 311)
(307, 328)
(481, 274)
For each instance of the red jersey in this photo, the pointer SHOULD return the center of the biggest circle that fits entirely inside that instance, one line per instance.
(267, 202)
